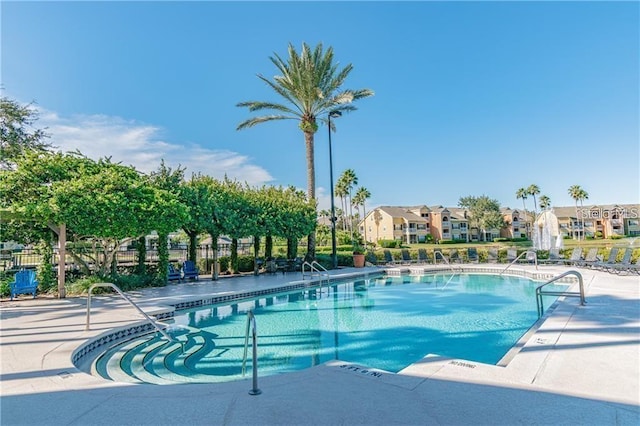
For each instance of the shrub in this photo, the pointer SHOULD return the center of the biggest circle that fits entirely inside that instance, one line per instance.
(389, 243)
(616, 237)
(5, 289)
(500, 240)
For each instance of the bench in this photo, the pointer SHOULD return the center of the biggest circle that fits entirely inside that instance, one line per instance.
(24, 282)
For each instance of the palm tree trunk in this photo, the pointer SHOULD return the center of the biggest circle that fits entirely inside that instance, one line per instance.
(311, 191)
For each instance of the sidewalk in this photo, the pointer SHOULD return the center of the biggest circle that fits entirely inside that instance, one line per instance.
(581, 366)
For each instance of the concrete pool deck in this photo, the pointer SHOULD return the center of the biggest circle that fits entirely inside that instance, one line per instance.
(580, 366)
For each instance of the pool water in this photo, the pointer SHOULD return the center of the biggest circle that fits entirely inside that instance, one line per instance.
(387, 323)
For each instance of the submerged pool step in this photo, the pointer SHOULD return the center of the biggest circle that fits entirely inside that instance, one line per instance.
(111, 363)
(175, 367)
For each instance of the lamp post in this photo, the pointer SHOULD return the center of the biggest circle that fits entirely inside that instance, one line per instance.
(334, 256)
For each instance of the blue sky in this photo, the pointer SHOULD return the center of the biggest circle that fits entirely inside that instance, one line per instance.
(471, 98)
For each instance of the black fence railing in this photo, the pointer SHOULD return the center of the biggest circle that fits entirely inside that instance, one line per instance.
(14, 260)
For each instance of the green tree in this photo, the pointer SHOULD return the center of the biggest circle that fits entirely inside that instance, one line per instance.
(360, 199)
(17, 132)
(168, 180)
(484, 213)
(311, 85)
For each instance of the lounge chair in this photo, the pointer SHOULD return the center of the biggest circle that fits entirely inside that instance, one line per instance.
(613, 254)
(492, 255)
(454, 256)
(174, 274)
(406, 257)
(388, 258)
(554, 257)
(190, 270)
(512, 254)
(634, 267)
(576, 256)
(423, 256)
(24, 282)
(590, 259)
(472, 255)
(623, 265)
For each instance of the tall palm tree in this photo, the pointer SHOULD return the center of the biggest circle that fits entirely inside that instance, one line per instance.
(350, 180)
(582, 195)
(576, 193)
(545, 202)
(311, 85)
(361, 197)
(533, 190)
(340, 190)
(522, 193)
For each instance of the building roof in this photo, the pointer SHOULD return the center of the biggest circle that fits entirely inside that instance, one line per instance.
(403, 213)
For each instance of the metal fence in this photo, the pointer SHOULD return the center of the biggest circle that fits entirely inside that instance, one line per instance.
(27, 258)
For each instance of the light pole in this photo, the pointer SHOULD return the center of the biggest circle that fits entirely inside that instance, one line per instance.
(334, 256)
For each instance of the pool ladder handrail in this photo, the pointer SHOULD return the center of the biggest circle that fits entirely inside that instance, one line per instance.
(540, 292)
(528, 252)
(124, 296)
(251, 326)
(315, 269)
(435, 258)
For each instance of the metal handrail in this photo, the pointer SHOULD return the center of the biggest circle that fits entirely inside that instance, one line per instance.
(315, 267)
(528, 252)
(540, 292)
(435, 258)
(124, 296)
(251, 324)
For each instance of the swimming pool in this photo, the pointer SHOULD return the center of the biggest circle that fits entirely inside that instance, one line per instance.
(387, 323)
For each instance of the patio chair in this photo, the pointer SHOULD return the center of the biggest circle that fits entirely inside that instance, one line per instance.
(423, 256)
(388, 258)
(472, 255)
(406, 257)
(174, 274)
(190, 270)
(613, 254)
(492, 255)
(623, 264)
(24, 282)
(554, 257)
(590, 259)
(576, 256)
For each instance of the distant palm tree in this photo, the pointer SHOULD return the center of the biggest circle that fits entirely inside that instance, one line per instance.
(350, 180)
(310, 83)
(576, 193)
(545, 202)
(361, 197)
(522, 193)
(533, 190)
(582, 195)
(341, 191)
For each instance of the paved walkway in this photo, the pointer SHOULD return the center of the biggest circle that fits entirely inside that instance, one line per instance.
(581, 366)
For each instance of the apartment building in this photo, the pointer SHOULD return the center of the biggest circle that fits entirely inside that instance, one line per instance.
(407, 224)
(517, 223)
(604, 221)
(414, 224)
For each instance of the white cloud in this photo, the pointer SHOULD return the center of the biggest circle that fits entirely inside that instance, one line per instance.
(142, 146)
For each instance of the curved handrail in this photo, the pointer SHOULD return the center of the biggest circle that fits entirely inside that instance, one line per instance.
(528, 252)
(124, 296)
(251, 326)
(435, 257)
(314, 267)
(540, 292)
